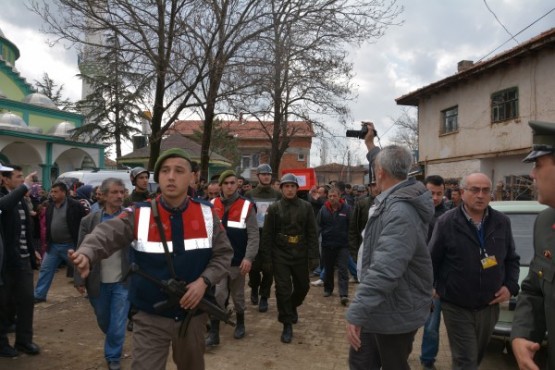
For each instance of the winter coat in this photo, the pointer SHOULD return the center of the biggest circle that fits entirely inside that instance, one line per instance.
(395, 290)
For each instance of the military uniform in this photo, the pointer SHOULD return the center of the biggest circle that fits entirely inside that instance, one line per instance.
(137, 197)
(261, 275)
(289, 240)
(536, 302)
(535, 309)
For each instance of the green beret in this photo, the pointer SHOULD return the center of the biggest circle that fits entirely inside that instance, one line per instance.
(225, 175)
(170, 153)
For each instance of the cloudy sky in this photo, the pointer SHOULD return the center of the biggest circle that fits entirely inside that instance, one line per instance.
(434, 36)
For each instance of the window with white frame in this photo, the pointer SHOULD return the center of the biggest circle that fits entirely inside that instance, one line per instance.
(504, 105)
(250, 161)
(450, 120)
(301, 157)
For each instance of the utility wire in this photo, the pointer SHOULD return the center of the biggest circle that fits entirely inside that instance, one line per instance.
(524, 29)
(498, 21)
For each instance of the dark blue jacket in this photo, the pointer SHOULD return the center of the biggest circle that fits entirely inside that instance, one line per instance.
(334, 226)
(455, 249)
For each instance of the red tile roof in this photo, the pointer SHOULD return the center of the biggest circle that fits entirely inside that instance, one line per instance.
(246, 129)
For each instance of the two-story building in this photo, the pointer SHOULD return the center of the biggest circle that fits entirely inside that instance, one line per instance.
(477, 119)
(253, 143)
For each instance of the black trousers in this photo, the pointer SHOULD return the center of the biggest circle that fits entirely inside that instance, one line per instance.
(340, 257)
(292, 285)
(17, 299)
(382, 351)
(261, 278)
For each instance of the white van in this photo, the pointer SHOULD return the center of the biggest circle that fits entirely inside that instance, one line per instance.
(95, 178)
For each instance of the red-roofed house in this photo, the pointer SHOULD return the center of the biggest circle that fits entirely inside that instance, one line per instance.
(253, 142)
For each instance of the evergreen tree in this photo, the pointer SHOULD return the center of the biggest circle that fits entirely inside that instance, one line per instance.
(115, 106)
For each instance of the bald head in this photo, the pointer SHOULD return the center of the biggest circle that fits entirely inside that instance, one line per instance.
(476, 193)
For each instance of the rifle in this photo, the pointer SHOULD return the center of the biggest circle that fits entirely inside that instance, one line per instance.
(176, 290)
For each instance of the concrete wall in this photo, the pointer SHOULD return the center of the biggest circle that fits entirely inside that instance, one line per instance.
(496, 168)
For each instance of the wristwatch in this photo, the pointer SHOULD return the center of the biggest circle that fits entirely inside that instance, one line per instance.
(207, 282)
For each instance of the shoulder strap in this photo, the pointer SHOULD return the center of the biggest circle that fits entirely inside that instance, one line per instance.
(156, 216)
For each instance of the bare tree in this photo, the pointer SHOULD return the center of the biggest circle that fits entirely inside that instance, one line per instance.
(222, 34)
(301, 70)
(406, 132)
(222, 142)
(151, 34)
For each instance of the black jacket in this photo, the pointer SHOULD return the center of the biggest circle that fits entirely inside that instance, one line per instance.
(11, 228)
(334, 226)
(438, 211)
(74, 213)
(455, 248)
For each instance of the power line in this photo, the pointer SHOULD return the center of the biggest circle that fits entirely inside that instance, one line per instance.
(524, 29)
(498, 21)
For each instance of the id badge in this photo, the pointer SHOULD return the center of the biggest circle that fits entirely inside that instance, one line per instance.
(488, 262)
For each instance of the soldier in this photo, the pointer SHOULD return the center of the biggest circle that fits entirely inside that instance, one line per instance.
(193, 249)
(290, 242)
(239, 219)
(535, 309)
(139, 178)
(260, 276)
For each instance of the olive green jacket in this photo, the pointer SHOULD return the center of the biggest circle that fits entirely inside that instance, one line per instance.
(535, 309)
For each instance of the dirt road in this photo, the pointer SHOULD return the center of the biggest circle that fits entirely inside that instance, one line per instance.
(66, 330)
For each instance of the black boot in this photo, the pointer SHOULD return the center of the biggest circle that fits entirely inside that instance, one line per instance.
(254, 296)
(287, 334)
(240, 327)
(213, 338)
(263, 306)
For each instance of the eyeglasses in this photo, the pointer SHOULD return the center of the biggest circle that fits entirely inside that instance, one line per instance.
(475, 190)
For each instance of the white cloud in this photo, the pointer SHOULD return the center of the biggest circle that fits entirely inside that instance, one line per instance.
(435, 36)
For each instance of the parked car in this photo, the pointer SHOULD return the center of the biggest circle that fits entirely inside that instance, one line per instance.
(522, 215)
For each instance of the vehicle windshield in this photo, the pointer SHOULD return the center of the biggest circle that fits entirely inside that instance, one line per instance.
(523, 229)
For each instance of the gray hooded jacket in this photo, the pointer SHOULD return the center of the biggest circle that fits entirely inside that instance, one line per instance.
(395, 290)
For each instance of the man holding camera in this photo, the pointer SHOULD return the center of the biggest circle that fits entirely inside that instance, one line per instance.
(373, 150)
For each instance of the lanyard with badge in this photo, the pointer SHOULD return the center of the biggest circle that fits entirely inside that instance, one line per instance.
(487, 261)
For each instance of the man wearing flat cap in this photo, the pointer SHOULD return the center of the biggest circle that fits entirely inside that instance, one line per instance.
(172, 237)
(535, 309)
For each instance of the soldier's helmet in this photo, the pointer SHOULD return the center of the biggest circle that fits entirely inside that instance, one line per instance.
(264, 168)
(136, 172)
(289, 178)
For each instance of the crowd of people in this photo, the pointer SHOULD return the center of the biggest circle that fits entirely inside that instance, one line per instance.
(417, 249)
